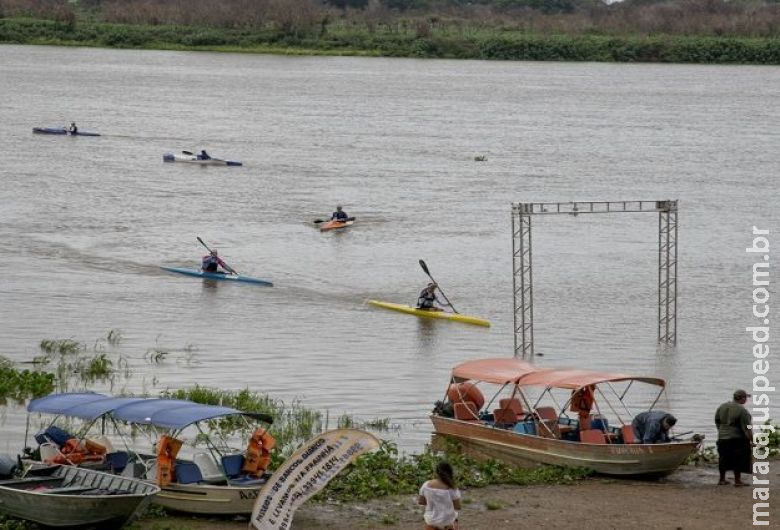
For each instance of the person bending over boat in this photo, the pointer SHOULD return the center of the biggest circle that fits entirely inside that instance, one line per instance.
(652, 427)
(339, 215)
(428, 298)
(73, 129)
(211, 263)
(203, 155)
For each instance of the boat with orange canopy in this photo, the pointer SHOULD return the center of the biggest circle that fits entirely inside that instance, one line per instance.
(589, 424)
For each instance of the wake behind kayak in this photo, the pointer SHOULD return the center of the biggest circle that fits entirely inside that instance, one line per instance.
(218, 276)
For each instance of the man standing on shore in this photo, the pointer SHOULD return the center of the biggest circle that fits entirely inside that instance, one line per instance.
(734, 440)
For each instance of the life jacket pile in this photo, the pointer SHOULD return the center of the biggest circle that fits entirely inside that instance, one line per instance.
(167, 449)
(76, 452)
(258, 452)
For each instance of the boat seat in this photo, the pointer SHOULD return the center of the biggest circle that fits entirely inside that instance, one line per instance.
(504, 417)
(547, 413)
(628, 434)
(187, 473)
(592, 436)
(466, 411)
(117, 461)
(514, 405)
(232, 465)
(53, 434)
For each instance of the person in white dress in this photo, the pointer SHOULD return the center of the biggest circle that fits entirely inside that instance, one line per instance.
(441, 499)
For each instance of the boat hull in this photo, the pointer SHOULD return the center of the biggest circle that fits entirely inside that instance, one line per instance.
(204, 499)
(63, 510)
(62, 131)
(187, 159)
(441, 315)
(217, 276)
(335, 225)
(639, 460)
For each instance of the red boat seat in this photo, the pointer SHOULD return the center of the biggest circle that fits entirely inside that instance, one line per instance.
(628, 434)
(466, 411)
(514, 405)
(505, 417)
(463, 392)
(547, 413)
(592, 436)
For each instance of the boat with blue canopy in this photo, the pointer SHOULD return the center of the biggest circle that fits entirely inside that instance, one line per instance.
(216, 481)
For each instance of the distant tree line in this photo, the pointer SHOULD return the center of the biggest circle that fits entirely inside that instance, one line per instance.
(756, 18)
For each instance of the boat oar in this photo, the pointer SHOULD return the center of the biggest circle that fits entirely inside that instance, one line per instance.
(228, 267)
(318, 221)
(425, 269)
(188, 153)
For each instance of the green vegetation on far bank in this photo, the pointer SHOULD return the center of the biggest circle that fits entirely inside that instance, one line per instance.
(430, 43)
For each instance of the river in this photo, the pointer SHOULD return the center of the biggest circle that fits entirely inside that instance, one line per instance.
(85, 223)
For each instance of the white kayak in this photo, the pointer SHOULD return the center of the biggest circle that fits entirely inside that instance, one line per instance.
(194, 159)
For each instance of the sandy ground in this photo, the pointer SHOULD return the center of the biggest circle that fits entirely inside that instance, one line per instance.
(689, 500)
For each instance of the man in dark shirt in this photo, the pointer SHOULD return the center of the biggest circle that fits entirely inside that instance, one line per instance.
(734, 440)
(652, 427)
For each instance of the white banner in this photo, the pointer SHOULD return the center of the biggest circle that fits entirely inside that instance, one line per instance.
(305, 473)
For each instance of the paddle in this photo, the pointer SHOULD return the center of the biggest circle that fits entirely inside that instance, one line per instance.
(425, 269)
(318, 221)
(191, 154)
(227, 267)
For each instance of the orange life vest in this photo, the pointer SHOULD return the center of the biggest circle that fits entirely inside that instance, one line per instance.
(75, 452)
(167, 449)
(258, 453)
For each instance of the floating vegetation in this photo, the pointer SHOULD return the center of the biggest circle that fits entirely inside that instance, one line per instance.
(385, 472)
(20, 385)
(345, 421)
(76, 366)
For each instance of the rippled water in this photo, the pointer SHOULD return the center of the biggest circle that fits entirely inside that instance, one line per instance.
(86, 222)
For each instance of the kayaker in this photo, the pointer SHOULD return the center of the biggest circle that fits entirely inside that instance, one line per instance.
(73, 129)
(204, 155)
(652, 427)
(339, 215)
(428, 298)
(211, 262)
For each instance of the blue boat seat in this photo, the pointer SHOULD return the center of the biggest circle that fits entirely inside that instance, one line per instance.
(117, 461)
(187, 473)
(232, 465)
(53, 434)
(599, 423)
(525, 427)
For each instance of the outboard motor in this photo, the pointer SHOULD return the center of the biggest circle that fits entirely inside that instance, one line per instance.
(8, 466)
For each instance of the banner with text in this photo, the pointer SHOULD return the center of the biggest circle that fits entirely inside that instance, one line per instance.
(305, 473)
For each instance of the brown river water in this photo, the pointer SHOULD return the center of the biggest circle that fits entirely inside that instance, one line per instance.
(85, 223)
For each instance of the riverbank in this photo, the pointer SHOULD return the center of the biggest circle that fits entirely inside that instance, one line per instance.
(687, 500)
(410, 42)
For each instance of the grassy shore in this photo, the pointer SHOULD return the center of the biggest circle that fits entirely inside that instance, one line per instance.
(411, 42)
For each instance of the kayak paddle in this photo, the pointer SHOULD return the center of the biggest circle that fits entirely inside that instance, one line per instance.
(228, 267)
(191, 154)
(425, 269)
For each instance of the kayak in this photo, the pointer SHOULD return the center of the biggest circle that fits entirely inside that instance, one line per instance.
(335, 225)
(455, 317)
(62, 130)
(192, 159)
(218, 276)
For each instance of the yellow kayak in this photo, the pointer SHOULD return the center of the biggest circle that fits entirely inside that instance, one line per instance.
(455, 317)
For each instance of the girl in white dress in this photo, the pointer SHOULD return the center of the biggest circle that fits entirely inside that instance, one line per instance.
(441, 499)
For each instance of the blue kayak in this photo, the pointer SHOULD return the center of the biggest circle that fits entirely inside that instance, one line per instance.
(218, 276)
(61, 130)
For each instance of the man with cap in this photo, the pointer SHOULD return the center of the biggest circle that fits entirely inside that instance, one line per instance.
(734, 438)
(652, 427)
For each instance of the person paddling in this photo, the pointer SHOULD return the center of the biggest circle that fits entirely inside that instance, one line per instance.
(204, 155)
(73, 129)
(211, 263)
(428, 298)
(339, 215)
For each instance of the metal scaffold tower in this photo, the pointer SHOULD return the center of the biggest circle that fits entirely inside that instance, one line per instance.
(522, 273)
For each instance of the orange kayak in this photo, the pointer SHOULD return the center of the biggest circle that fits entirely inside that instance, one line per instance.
(335, 225)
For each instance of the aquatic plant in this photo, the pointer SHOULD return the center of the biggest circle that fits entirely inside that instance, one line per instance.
(386, 472)
(20, 385)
